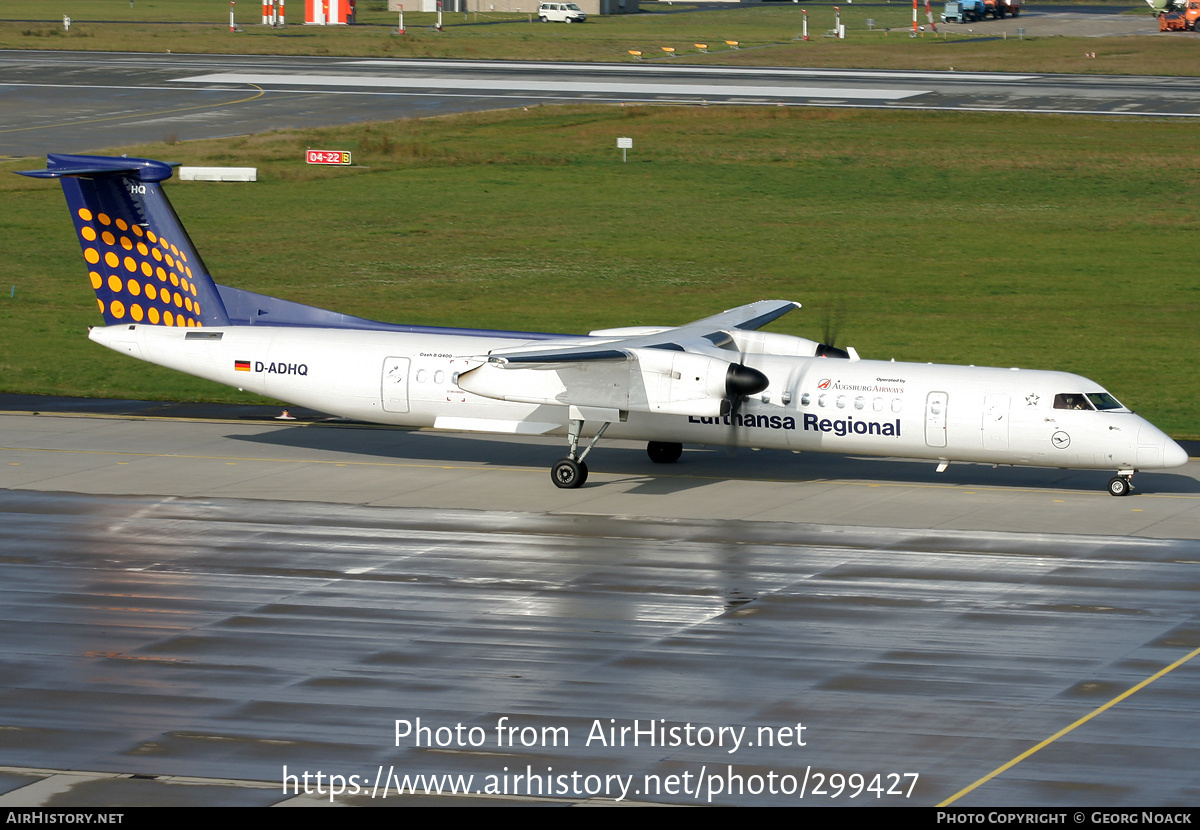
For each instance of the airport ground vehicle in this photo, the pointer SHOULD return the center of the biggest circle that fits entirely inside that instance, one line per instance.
(966, 11)
(1000, 9)
(1179, 16)
(560, 13)
(963, 11)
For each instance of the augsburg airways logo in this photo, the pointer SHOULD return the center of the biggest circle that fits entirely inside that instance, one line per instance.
(838, 386)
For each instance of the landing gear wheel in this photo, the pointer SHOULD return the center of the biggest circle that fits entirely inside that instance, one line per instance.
(568, 474)
(663, 452)
(1119, 486)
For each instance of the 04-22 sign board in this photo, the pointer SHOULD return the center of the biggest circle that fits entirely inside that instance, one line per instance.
(327, 156)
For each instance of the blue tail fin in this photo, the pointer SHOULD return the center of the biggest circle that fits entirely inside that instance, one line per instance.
(141, 261)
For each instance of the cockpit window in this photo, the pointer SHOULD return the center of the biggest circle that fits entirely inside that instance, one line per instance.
(1071, 401)
(1104, 401)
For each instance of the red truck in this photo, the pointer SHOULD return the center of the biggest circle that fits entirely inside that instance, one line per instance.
(1000, 9)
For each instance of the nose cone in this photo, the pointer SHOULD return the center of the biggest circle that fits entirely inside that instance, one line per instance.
(1174, 455)
(1157, 450)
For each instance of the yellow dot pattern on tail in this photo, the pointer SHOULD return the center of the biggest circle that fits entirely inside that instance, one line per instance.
(149, 277)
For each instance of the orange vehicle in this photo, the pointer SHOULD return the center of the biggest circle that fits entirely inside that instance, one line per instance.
(1179, 16)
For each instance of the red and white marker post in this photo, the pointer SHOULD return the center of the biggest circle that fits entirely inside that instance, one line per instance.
(273, 13)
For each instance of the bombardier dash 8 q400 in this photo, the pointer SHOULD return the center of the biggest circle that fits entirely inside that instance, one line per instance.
(715, 381)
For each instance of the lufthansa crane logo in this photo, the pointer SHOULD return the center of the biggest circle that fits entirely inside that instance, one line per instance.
(1060, 440)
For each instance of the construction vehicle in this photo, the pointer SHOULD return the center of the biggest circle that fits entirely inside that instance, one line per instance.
(1176, 15)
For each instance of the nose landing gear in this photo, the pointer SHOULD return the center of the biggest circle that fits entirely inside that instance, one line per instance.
(1121, 484)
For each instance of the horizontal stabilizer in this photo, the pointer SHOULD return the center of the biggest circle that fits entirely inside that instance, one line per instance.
(144, 170)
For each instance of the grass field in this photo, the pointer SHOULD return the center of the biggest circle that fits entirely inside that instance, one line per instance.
(766, 34)
(1038, 241)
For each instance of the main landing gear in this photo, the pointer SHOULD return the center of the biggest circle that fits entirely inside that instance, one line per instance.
(1121, 484)
(662, 452)
(570, 472)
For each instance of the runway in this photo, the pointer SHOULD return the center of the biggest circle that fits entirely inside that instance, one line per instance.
(204, 603)
(80, 102)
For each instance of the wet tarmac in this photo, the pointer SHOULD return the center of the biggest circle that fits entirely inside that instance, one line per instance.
(194, 611)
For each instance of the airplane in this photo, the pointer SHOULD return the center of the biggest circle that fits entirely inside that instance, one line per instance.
(716, 381)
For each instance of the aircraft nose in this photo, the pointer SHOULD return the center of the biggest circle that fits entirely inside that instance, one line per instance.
(1157, 450)
(1174, 455)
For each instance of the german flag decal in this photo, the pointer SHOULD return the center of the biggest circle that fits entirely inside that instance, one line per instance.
(241, 365)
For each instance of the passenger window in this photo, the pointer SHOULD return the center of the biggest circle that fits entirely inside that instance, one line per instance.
(860, 402)
(805, 399)
(1070, 401)
(439, 376)
(821, 400)
(841, 401)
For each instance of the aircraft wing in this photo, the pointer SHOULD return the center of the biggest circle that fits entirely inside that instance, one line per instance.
(674, 371)
(691, 337)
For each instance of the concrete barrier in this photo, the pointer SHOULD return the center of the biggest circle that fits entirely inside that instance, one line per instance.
(218, 174)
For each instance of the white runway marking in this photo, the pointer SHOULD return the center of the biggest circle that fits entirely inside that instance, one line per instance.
(554, 86)
(725, 71)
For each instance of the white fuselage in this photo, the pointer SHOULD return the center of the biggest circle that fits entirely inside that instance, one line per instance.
(867, 407)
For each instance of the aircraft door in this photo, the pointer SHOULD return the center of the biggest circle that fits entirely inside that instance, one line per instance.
(935, 419)
(394, 384)
(995, 422)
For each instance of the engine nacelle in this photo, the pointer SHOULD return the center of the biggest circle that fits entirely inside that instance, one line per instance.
(654, 380)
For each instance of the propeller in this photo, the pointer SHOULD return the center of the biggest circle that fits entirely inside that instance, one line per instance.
(740, 383)
(827, 347)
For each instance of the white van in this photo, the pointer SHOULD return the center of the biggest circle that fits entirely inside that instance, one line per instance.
(561, 13)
